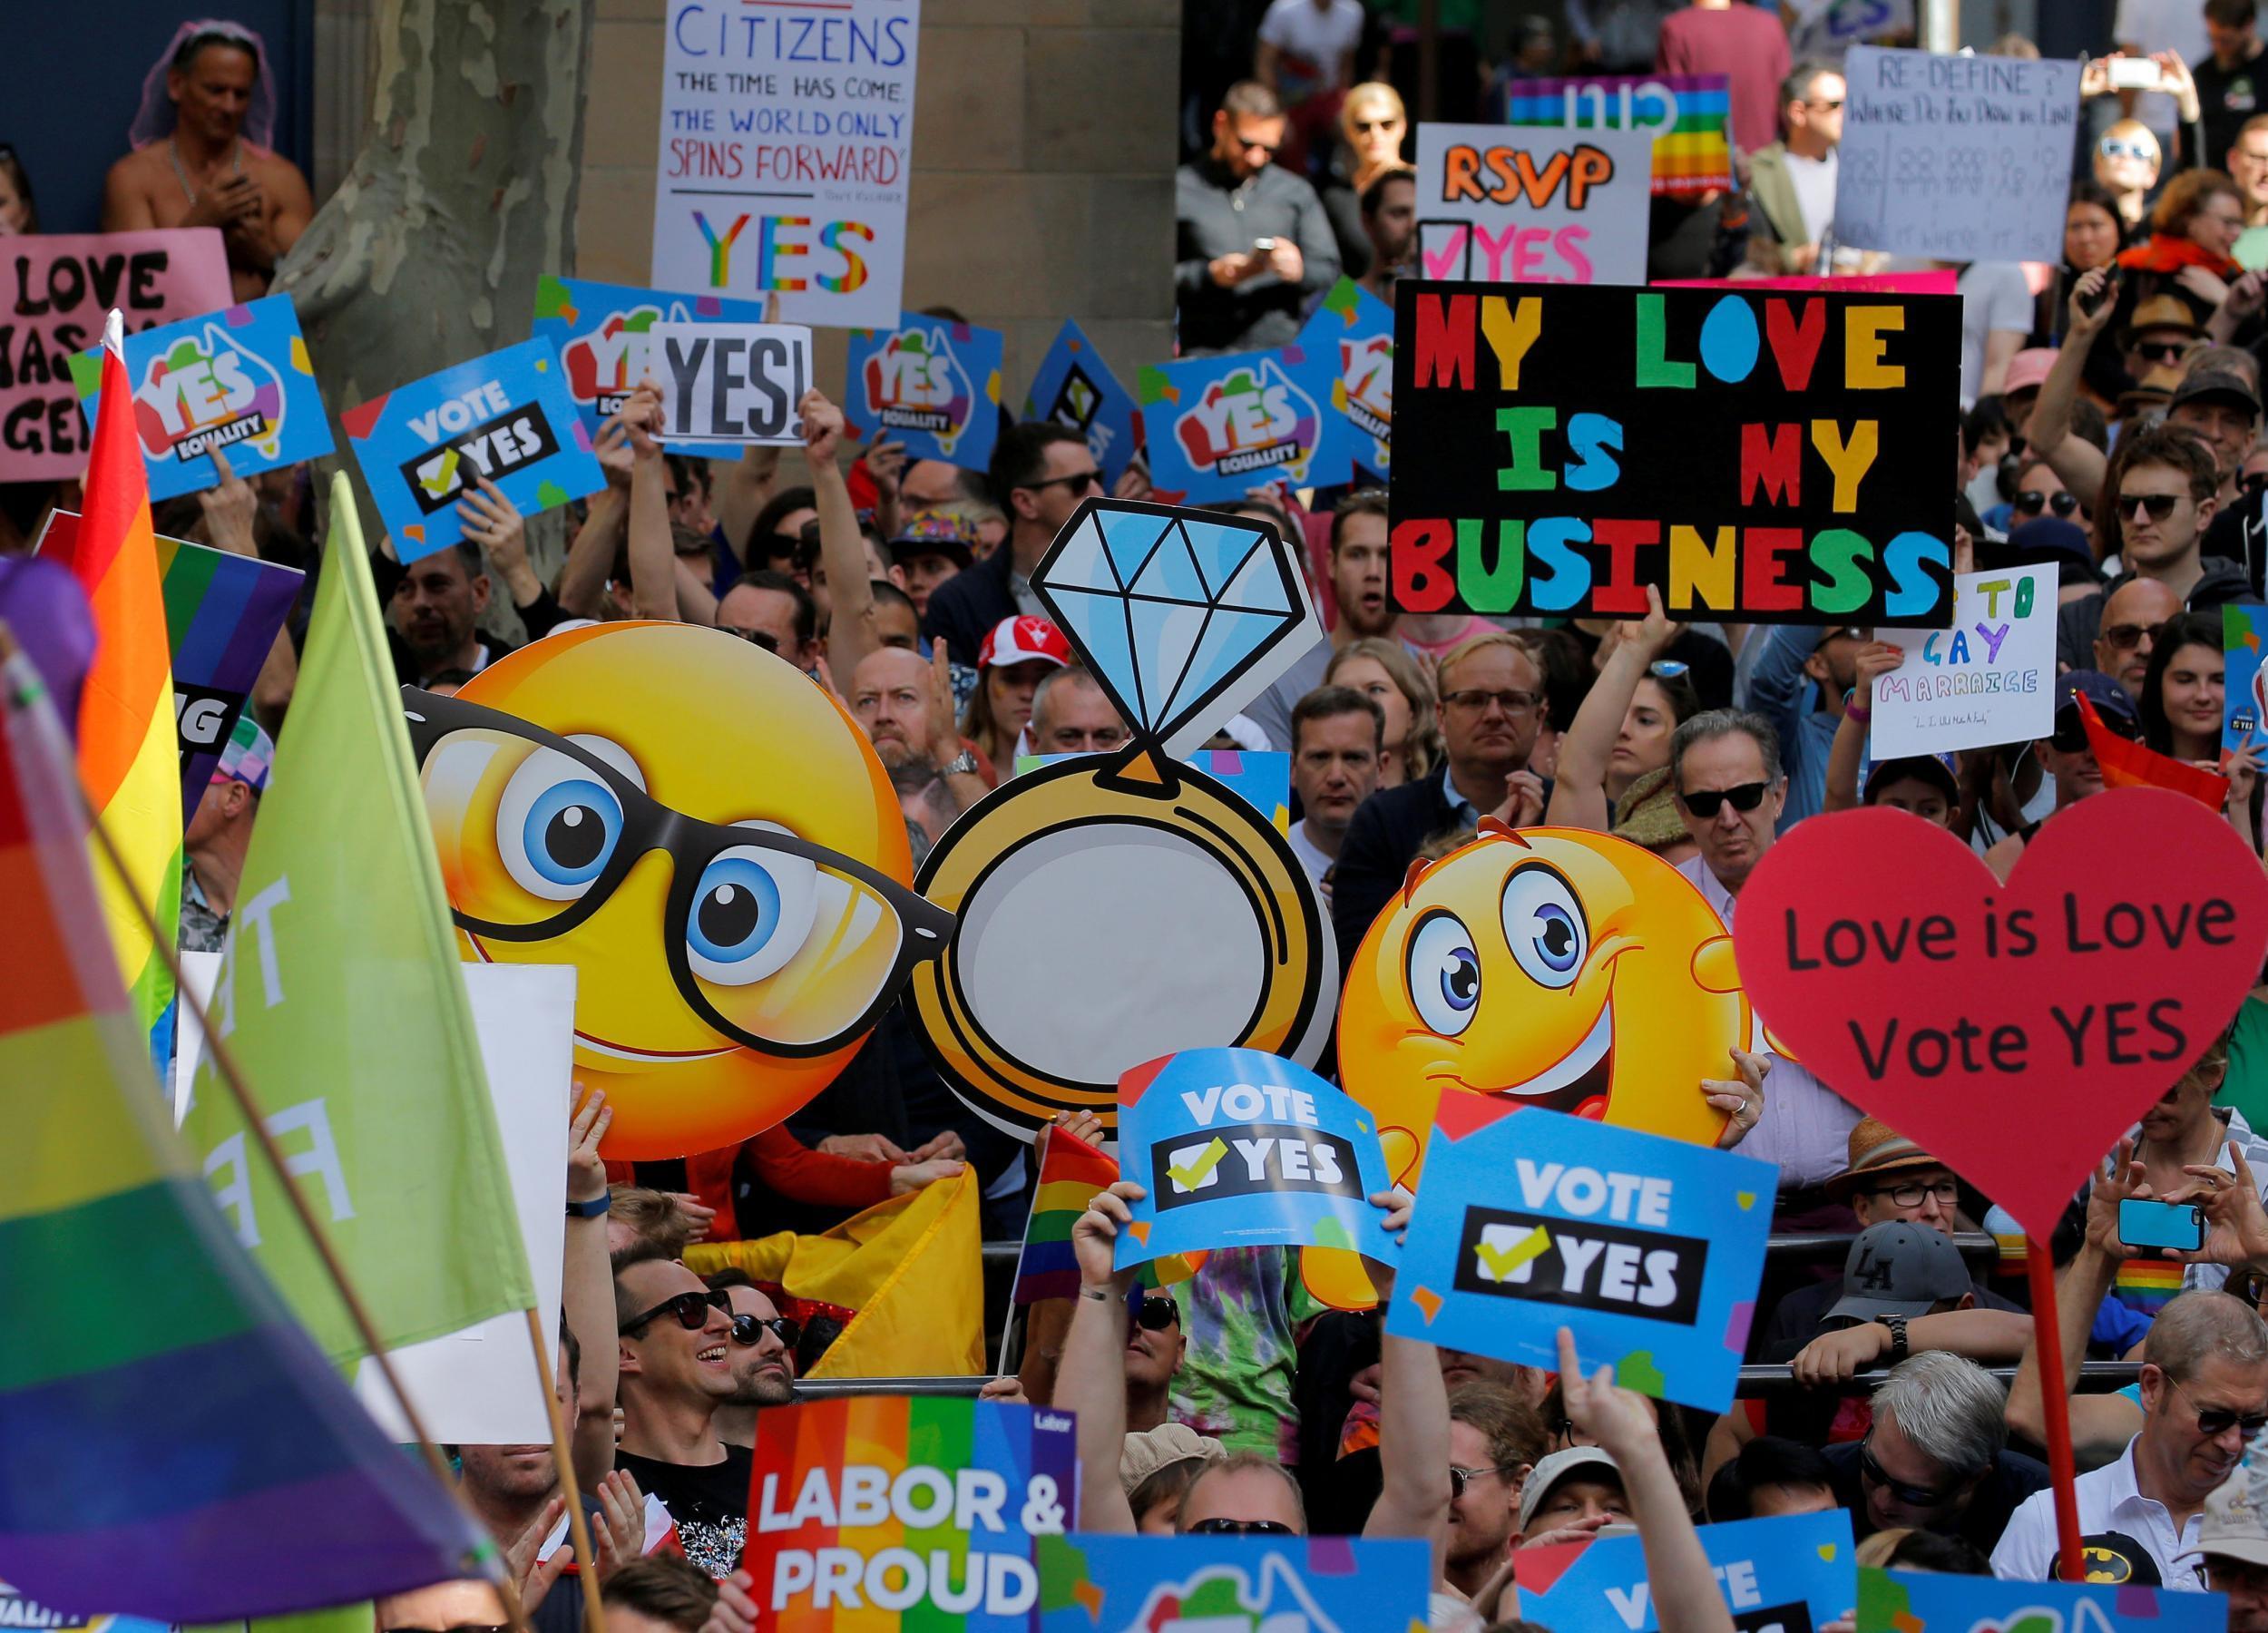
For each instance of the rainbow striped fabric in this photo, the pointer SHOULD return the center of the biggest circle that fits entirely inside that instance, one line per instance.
(2144, 1285)
(2126, 764)
(1071, 1172)
(1690, 156)
(129, 761)
(176, 1446)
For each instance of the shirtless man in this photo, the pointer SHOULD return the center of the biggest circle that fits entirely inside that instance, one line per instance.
(206, 174)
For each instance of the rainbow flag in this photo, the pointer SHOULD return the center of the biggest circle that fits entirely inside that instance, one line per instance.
(128, 759)
(2126, 764)
(1691, 154)
(181, 1453)
(1070, 1173)
(2144, 1285)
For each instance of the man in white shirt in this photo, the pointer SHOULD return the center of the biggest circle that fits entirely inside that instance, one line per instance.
(1337, 737)
(1792, 180)
(2204, 1393)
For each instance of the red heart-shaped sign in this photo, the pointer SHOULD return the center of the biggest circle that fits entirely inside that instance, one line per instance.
(2013, 1031)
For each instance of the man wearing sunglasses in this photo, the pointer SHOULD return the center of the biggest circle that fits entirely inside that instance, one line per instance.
(763, 1358)
(676, 1363)
(1254, 240)
(776, 613)
(1792, 180)
(1040, 472)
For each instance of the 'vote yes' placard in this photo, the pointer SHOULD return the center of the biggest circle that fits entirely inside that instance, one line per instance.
(1241, 1149)
(1789, 1574)
(1648, 1250)
(731, 383)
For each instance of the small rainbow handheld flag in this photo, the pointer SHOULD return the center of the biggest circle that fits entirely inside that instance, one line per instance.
(2126, 764)
(1070, 1173)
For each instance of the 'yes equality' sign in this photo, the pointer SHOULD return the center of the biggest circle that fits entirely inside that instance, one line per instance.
(1752, 454)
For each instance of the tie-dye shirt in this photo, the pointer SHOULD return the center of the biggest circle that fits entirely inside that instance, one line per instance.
(1240, 1313)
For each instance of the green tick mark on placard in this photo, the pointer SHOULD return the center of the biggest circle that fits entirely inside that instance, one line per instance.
(1189, 1179)
(1500, 1262)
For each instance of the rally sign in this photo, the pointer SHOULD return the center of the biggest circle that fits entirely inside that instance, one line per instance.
(1991, 679)
(1685, 113)
(1793, 1573)
(603, 333)
(932, 383)
(890, 1512)
(1074, 387)
(18, 1611)
(1240, 1149)
(1745, 453)
(1532, 205)
(505, 416)
(1352, 333)
(1217, 427)
(238, 380)
(55, 290)
(2245, 707)
(1092, 1583)
(1648, 1250)
(735, 384)
(1924, 1601)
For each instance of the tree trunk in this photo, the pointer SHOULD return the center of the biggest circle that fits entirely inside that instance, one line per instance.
(463, 195)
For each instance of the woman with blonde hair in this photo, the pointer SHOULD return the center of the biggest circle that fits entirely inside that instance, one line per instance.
(1373, 125)
(1383, 671)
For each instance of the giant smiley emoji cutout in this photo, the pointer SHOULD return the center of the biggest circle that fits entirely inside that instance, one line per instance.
(2013, 1031)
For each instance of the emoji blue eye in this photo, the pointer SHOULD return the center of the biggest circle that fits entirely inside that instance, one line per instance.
(556, 826)
(752, 912)
(1543, 923)
(1443, 973)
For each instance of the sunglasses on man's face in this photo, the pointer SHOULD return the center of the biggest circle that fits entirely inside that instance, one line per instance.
(1913, 1496)
(1079, 482)
(2070, 736)
(2114, 147)
(2160, 351)
(763, 637)
(2031, 501)
(1705, 803)
(2157, 506)
(747, 1330)
(1241, 1527)
(2220, 1419)
(2125, 637)
(1157, 1313)
(691, 1310)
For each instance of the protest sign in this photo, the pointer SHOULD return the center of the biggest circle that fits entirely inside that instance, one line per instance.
(1502, 205)
(1900, 971)
(2245, 709)
(932, 383)
(732, 384)
(1092, 1583)
(603, 333)
(1943, 281)
(1646, 1249)
(1074, 387)
(1925, 1602)
(1827, 29)
(899, 1509)
(1685, 113)
(18, 1611)
(1991, 679)
(56, 290)
(1239, 1149)
(1352, 336)
(221, 614)
(787, 140)
(1793, 1573)
(238, 380)
(1744, 453)
(506, 416)
(1217, 427)
(1956, 158)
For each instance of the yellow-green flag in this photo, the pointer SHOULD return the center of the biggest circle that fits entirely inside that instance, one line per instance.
(341, 998)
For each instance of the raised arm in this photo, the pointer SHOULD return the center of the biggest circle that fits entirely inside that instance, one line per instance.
(591, 554)
(587, 1294)
(1092, 1382)
(1848, 751)
(2079, 463)
(851, 635)
(1412, 1417)
(653, 589)
(1578, 788)
(2100, 1424)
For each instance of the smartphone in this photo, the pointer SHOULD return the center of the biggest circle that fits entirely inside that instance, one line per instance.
(1262, 246)
(2104, 296)
(2134, 73)
(2180, 1224)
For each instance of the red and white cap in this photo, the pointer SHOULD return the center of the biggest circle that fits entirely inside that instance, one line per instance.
(1022, 639)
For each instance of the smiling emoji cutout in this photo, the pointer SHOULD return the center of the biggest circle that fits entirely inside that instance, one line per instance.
(707, 836)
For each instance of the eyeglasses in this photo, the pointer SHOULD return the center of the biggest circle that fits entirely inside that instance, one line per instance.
(746, 1330)
(2219, 1420)
(1913, 1495)
(1241, 1527)
(2160, 351)
(2125, 637)
(691, 1310)
(1912, 1193)
(1461, 1478)
(1157, 1313)
(763, 637)
(2120, 147)
(2070, 736)
(535, 834)
(1478, 702)
(2031, 501)
(1669, 669)
(2157, 506)
(1079, 482)
(1377, 124)
(1705, 803)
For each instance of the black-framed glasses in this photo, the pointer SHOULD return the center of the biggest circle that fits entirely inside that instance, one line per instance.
(763, 637)
(775, 546)
(2031, 501)
(536, 833)
(2157, 506)
(1079, 482)
(748, 1330)
(2220, 1419)
(1241, 1527)
(691, 1309)
(1157, 1313)
(1912, 1193)
(1705, 803)
(1478, 700)
(2160, 351)
(1913, 1495)
(1459, 1479)
(2070, 735)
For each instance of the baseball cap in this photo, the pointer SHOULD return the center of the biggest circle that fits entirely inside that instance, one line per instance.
(2217, 385)
(2235, 1521)
(246, 755)
(932, 532)
(1556, 1467)
(1021, 639)
(1936, 769)
(2105, 693)
(2028, 370)
(1896, 1268)
(1143, 1454)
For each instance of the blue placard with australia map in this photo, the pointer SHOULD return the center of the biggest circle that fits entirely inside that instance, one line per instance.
(599, 333)
(1074, 387)
(1217, 427)
(931, 384)
(1115, 1584)
(1351, 335)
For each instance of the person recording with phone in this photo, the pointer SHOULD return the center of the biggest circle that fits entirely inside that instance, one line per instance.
(1255, 242)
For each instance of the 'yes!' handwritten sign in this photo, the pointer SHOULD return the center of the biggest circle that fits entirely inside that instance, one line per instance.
(737, 384)
(506, 416)
(1242, 1149)
(1648, 1250)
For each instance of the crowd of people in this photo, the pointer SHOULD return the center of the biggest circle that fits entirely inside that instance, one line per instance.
(2111, 429)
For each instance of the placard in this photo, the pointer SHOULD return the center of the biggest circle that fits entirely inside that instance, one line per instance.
(931, 384)
(604, 335)
(898, 1508)
(1927, 1601)
(1351, 334)
(1217, 427)
(55, 290)
(1074, 387)
(506, 416)
(2244, 706)
(1795, 1572)
(1648, 1250)
(1524, 205)
(1991, 679)
(1751, 455)
(736, 384)
(1827, 29)
(1956, 158)
(238, 380)
(1093, 1583)
(1941, 280)
(1685, 113)
(1237, 1149)
(786, 140)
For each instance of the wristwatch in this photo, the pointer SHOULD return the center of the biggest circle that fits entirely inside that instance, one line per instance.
(963, 764)
(595, 1208)
(1897, 1350)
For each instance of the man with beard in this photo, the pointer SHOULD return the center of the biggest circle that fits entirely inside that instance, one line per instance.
(763, 1358)
(906, 703)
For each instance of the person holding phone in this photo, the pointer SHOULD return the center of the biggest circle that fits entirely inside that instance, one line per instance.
(1255, 243)
(2183, 1133)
